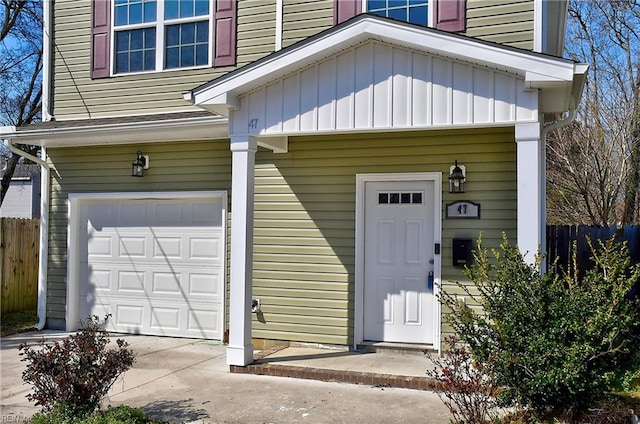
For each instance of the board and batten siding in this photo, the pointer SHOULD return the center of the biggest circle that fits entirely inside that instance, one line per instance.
(77, 96)
(184, 166)
(304, 238)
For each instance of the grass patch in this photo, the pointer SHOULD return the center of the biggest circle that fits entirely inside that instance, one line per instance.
(18, 322)
(118, 415)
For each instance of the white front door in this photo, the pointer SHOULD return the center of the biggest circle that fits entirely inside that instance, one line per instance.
(398, 258)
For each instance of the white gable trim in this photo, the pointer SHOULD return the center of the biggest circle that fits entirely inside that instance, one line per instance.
(533, 68)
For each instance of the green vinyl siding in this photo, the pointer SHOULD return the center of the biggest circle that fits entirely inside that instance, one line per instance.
(77, 96)
(184, 166)
(304, 239)
(507, 22)
(304, 18)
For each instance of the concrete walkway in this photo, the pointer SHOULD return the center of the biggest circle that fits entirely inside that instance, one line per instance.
(184, 380)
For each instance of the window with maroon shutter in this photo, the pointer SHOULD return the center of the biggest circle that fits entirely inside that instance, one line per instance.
(156, 35)
(449, 15)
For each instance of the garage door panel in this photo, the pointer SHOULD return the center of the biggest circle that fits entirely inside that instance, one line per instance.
(132, 247)
(156, 265)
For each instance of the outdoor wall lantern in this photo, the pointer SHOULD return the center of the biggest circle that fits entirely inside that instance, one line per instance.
(457, 177)
(139, 165)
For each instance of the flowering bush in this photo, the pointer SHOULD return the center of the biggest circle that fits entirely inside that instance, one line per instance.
(76, 372)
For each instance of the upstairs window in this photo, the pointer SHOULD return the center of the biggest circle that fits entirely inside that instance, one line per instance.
(447, 15)
(413, 11)
(154, 35)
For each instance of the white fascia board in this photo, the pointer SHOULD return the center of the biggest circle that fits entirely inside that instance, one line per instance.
(200, 128)
(418, 39)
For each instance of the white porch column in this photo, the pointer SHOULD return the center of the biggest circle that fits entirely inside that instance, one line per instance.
(531, 190)
(240, 350)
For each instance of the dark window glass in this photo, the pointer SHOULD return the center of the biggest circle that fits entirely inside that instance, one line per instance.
(383, 198)
(170, 9)
(418, 15)
(416, 198)
(394, 198)
(405, 198)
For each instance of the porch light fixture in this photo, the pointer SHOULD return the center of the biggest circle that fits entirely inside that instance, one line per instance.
(139, 165)
(457, 178)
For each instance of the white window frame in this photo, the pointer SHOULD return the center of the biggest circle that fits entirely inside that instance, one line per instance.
(160, 25)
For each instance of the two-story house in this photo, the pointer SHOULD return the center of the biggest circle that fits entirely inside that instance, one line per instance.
(322, 162)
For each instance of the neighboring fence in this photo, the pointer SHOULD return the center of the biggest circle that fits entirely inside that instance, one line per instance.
(19, 248)
(560, 241)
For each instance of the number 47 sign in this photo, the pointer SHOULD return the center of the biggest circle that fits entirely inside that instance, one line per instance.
(463, 209)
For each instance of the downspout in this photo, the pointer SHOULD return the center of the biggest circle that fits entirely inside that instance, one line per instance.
(47, 8)
(44, 228)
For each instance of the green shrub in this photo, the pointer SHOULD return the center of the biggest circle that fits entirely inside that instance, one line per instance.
(76, 372)
(60, 414)
(555, 343)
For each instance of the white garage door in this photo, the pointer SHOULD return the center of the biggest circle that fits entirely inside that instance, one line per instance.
(155, 265)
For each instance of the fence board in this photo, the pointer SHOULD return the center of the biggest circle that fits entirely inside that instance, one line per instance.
(19, 252)
(560, 239)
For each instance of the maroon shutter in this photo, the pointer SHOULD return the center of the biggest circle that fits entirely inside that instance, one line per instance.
(345, 9)
(450, 15)
(224, 45)
(100, 30)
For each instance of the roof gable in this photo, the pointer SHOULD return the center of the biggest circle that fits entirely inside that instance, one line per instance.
(537, 71)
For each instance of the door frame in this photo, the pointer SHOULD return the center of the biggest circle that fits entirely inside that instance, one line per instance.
(75, 203)
(361, 181)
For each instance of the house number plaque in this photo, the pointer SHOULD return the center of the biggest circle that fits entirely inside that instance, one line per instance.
(463, 209)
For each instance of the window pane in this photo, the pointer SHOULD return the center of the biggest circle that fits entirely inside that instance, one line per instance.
(135, 61)
(202, 32)
(202, 54)
(170, 9)
(172, 57)
(188, 34)
(202, 7)
(137, 40)
(149, 59)
(418, 15)
(121, 15)
(400, 14)
(382, 12)
(376, 4)
(173, 35)
(187, 56)
(150, 11)
(122, 41)
(418, 2)
(122, 62)
(135, 13)
(186, 8)
(150, 39)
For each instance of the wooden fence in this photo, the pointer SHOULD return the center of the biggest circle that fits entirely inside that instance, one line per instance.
(19, 251)
(560, 240)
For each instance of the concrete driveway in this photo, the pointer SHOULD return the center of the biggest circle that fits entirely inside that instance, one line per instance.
(184, 380)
